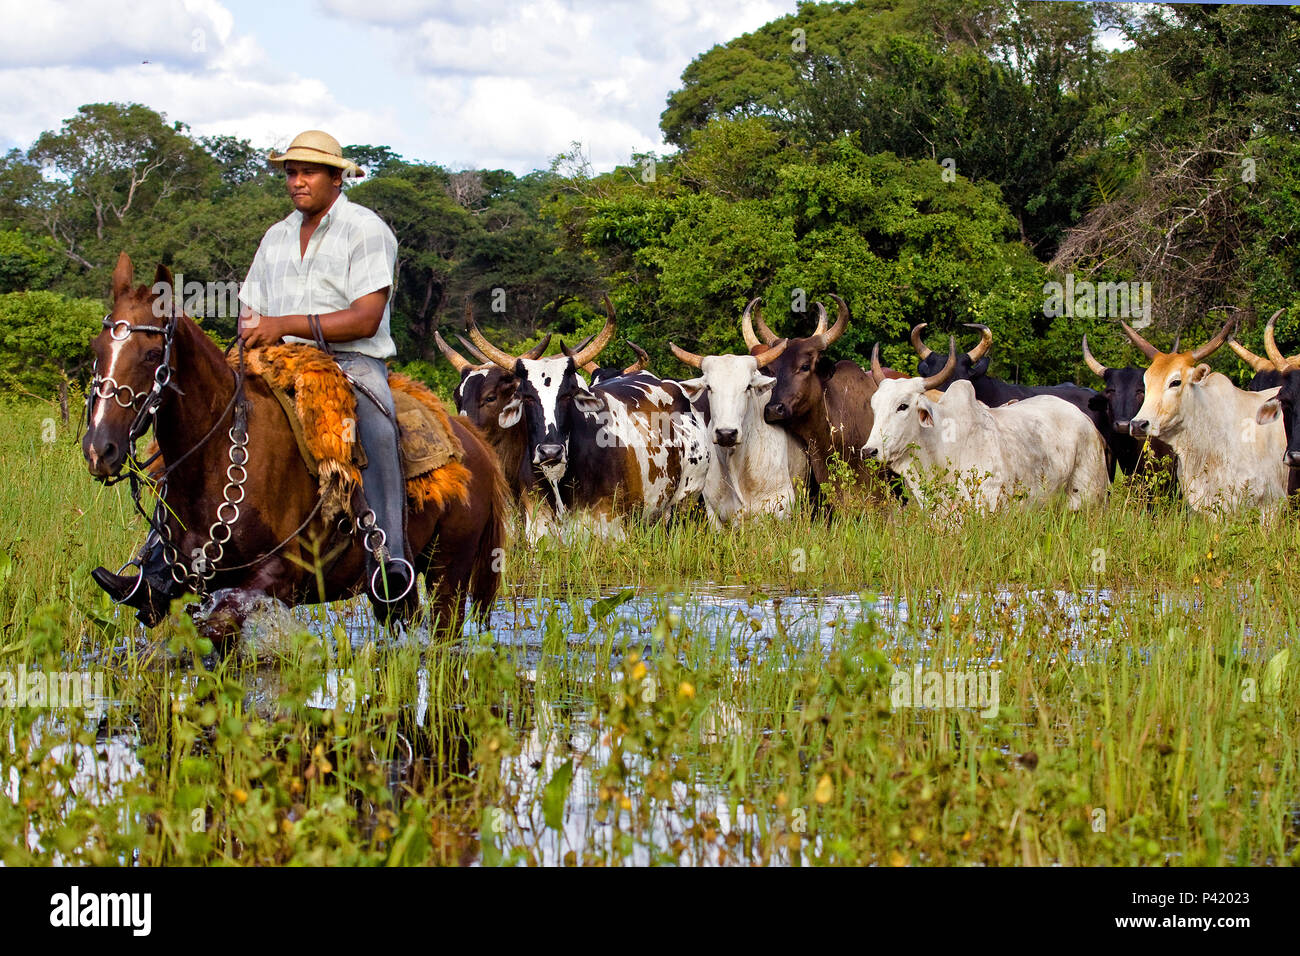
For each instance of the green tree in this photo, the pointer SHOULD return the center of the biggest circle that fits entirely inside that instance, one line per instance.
(45, 342)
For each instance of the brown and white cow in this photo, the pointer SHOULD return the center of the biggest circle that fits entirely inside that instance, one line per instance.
(630, 445)
(824, 404)
(1226, 458)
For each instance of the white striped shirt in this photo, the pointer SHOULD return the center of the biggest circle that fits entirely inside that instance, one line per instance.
(352, 253)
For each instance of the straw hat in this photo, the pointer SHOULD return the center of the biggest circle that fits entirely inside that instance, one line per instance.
(314, 146)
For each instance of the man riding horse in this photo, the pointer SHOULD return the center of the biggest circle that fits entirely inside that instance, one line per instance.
(323, 274)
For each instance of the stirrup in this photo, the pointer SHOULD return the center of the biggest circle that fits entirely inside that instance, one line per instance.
(410, 582)
(139, 579)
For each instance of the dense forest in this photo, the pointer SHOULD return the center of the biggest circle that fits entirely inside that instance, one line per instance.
(933, 161)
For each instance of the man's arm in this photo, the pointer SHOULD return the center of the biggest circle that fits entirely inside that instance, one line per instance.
(360, 320)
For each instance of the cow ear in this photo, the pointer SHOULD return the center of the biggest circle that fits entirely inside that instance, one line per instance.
(980, 368)
(511, 413)
(825, 368)
(1097, 403)
(925, 412)
(587, 403)
(1199, 374)
(1267, 413)
(761, 384)
(692, 388)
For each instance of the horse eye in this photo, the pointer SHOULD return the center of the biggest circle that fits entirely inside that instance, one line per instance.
(153, 355)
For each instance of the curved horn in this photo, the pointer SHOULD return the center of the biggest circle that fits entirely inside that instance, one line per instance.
(472, 349)
(1142, 345)
(829, 336)
(1250, 358)
(642, 359)
(602, 339)
(536, 351)
(1212, 346)
(458, 361)
(1097, 368)
(920, 347)
(1270, 343)
(821, 320)
(764, 333)
(941, 376)
(773, 352)
(690, 358)
(747, 325)
(986, 339)
(877, 373)
(501, 358)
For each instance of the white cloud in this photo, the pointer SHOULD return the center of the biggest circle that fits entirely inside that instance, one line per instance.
(490, 83)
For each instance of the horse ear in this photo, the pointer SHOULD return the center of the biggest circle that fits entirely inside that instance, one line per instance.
(123, 273)
(163, 275)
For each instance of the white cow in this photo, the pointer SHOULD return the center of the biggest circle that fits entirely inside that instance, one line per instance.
(752, 464)
(1038, 446)
(1226, 458)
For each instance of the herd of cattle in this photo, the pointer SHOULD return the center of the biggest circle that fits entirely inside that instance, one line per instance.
(749, 429)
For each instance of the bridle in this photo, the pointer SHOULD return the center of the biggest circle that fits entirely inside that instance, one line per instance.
(105, 387)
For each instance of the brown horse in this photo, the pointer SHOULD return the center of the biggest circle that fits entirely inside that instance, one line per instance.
(457, 545)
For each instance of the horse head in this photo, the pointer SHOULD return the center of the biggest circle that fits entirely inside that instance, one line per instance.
(132, 368)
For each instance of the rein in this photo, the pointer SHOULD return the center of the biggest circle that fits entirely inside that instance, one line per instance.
(203, 567)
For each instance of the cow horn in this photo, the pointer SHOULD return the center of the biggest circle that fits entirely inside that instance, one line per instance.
(941, 376)
(602, 339)
(828, 336)
(1097, 368)
(1270, 344)
(877, 373)
(921, 348)
(1249, 357)
(503, 359)
(821, 320)
(690, 358)
(458, 361)
(986, 339)
(642, 359)
(1212, 346)
(773, 352)
(472, 349)
(590, 367)
(1142, 345)
(536, 351)
(747, 325)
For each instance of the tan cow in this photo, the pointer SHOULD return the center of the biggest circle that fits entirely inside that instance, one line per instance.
(1226, 459)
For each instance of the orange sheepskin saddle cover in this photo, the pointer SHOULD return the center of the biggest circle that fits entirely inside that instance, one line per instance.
(322, 407)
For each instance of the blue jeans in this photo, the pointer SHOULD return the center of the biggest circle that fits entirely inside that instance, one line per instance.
(382, 477)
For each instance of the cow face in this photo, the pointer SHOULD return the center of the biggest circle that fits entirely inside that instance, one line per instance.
(1284, 404)
(736, 389)
(548, 398)
(901, 409)
(483, 394)
(1124, 394)
(801, 375)
(1166, 383)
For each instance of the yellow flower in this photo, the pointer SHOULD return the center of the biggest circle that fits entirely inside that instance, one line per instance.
(240, 795)
(686, 690)
(825, 789)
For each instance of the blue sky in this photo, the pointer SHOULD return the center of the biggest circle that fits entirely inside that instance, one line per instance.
(493, 83)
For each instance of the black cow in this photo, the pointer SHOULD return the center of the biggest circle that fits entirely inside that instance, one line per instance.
(1123, 395)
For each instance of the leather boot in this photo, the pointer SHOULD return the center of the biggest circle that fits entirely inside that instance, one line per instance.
(151, 597)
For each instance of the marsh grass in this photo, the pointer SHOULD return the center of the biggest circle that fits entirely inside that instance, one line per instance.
(1147, 706)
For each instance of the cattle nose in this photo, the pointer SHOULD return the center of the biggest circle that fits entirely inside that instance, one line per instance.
(1123, 426)
(726, 437)
(1292, 458)
(775, 412)
(870, 452)
(1138, 428)
(549, 454)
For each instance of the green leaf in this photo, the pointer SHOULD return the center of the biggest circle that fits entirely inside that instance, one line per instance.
(555, 794)
(601, 609)
(1273, 672)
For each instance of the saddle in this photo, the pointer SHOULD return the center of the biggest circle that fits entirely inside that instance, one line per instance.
(320, 405)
